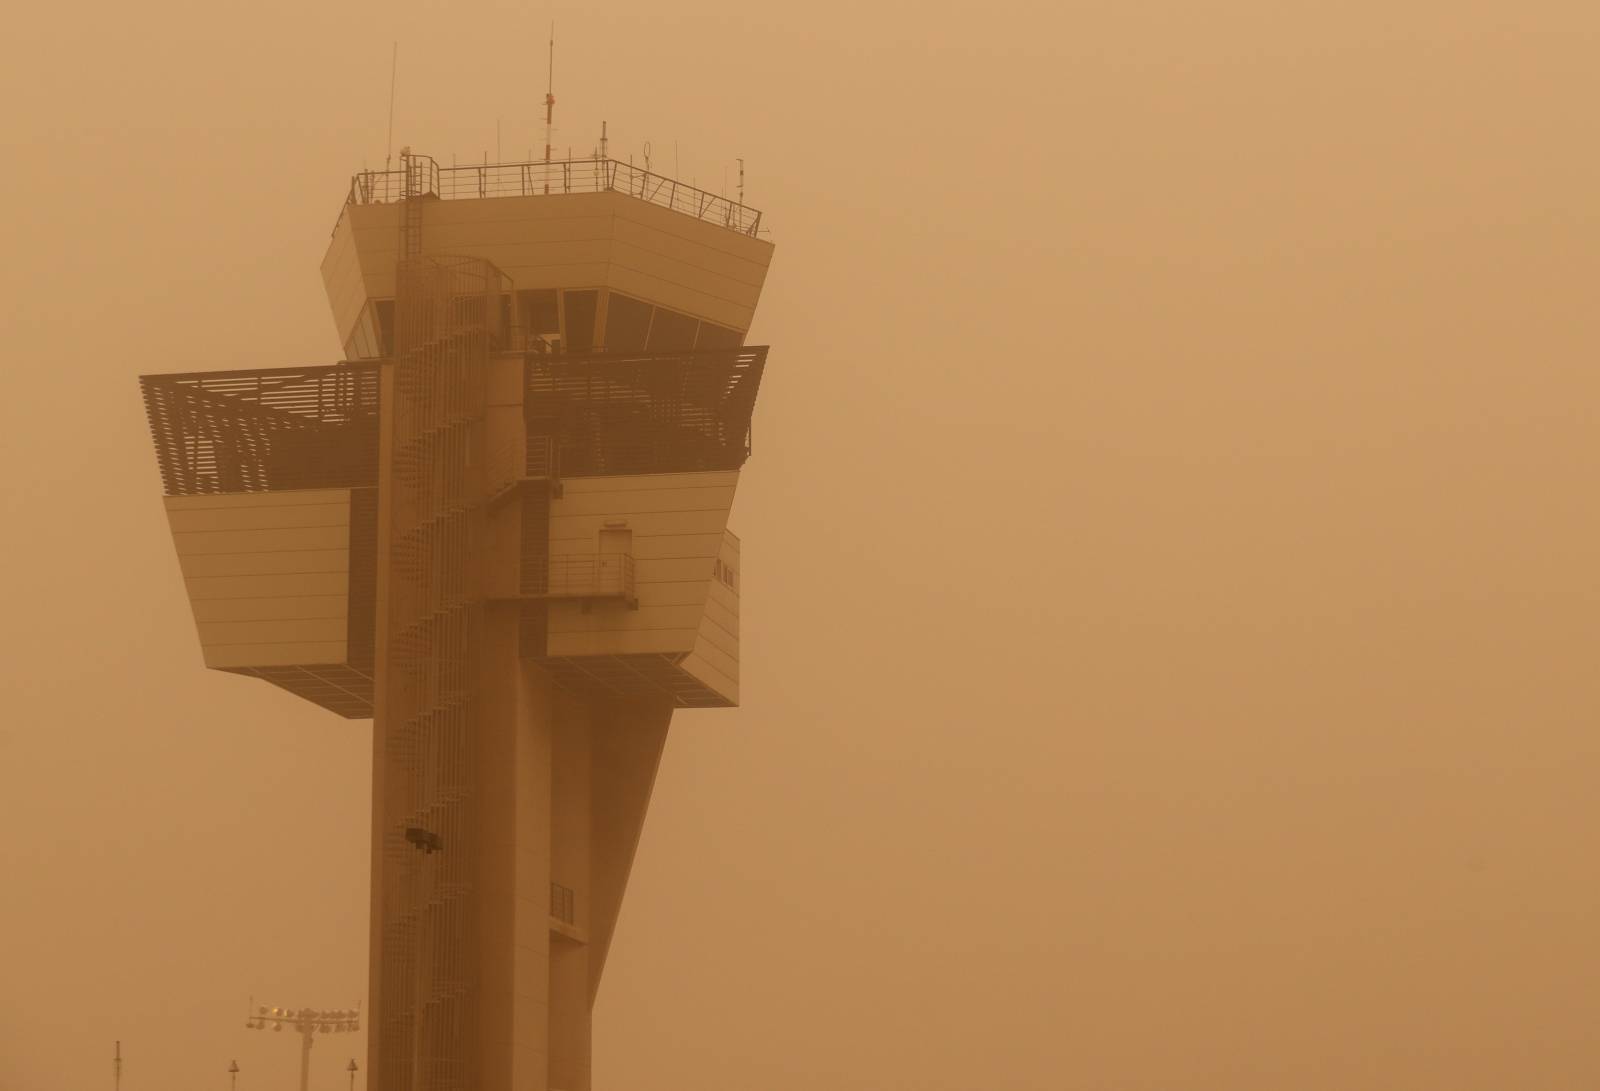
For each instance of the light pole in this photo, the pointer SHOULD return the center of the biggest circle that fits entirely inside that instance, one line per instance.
(309, 1022)
(233, 1076)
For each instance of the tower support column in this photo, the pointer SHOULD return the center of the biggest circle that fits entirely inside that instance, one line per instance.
(515, 723)
(570, 892)
(628, 741)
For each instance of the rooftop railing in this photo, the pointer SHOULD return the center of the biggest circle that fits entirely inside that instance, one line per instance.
(594, 175)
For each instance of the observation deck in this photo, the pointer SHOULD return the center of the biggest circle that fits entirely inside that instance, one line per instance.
(623, 466)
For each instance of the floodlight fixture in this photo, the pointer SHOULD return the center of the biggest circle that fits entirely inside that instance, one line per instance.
(308, 1022)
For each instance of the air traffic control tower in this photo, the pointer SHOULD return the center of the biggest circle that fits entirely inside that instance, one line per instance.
(499, 528)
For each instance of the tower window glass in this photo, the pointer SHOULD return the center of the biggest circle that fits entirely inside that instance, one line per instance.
(718, 337)
(538, 312)
(627, 323)
(579, 324)
(671, 331)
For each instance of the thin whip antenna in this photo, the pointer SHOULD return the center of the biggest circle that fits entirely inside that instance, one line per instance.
(116, 1069)
(550, 102)
(550, 95)
(394, 65)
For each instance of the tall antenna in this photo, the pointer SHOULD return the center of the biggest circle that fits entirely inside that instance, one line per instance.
(116, 1069)
(550, 103)
(603, 142)
(550, 94)
(394, 65)
(741, 183)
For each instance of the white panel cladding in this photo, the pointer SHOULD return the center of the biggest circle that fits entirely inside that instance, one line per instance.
(341, 274)
(715, 658)
(679, 539)
(268, 574)
(576, 240)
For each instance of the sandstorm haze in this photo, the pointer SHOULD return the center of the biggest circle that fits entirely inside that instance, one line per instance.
(1169, 598)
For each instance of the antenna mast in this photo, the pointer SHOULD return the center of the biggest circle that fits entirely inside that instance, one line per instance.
(394, 66)
(116, 1069)
(550, 104)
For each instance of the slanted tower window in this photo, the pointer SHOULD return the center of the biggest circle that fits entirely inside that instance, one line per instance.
(577, 332)
(627, 323)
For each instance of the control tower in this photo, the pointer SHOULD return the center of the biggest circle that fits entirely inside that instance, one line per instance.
(499, 528)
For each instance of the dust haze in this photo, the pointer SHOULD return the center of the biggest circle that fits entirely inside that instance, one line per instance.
(1169, 592)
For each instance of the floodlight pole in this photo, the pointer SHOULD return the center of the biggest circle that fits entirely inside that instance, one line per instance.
(308, 1021)
(233, 1076)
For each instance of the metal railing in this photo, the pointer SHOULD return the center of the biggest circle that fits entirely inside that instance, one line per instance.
(644, 413)
(593, 175)
(503, 467)
(272, 428)
(520, 459)
(563, 904)
(591, 576)
(540, 459)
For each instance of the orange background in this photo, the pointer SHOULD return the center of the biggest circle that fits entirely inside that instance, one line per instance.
(1170, 606)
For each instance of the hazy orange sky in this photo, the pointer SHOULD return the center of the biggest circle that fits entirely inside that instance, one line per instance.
(1170, 598)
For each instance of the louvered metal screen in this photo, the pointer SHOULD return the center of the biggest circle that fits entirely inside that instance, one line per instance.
(428, 986)
(268, 429)
(638, 414)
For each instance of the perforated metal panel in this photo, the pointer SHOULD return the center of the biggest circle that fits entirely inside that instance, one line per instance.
(267, 429)
(612, 413)
(446, 319)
